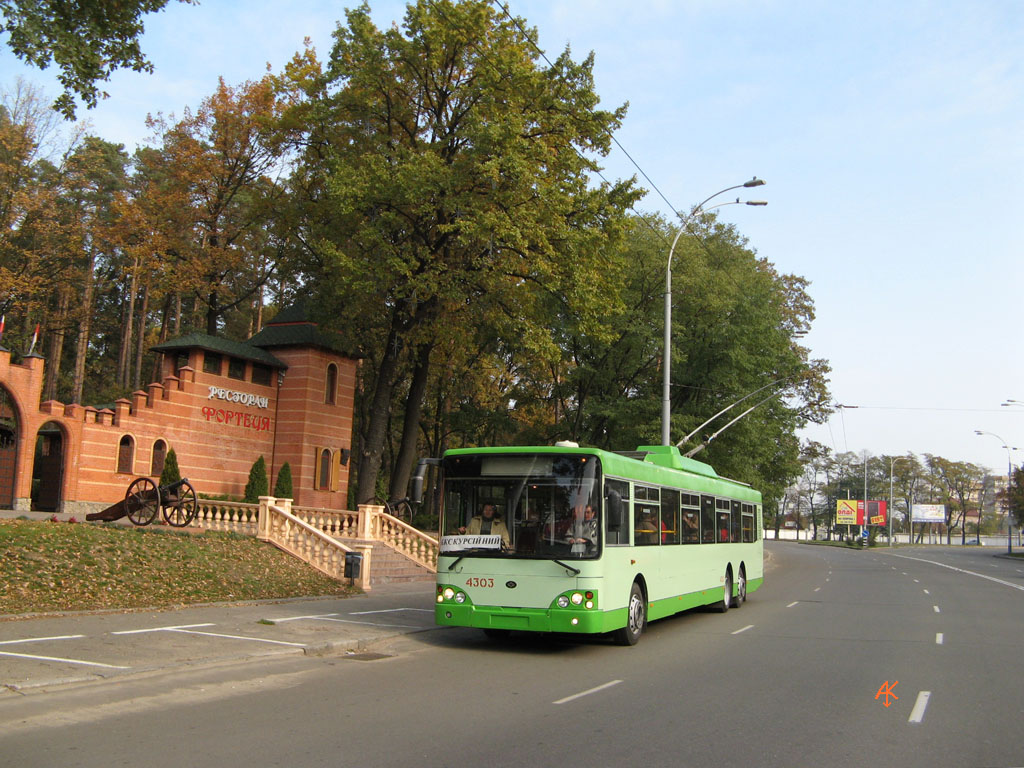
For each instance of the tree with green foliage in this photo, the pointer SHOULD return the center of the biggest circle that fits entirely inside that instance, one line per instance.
(458, 194)
(88, 40)
(283, 486)
(258, 484)
(170, 473)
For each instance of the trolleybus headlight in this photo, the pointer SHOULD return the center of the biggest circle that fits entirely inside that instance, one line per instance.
(563, 601)
(574, 621)
(460, 597)
(577, 598)
(449, 593)
(590, 604)
(440, 598)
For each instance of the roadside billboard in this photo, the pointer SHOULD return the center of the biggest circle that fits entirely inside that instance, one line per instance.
(928, 513)
(851, 512)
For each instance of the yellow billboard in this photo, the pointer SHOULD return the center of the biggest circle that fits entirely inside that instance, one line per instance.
(846, 511)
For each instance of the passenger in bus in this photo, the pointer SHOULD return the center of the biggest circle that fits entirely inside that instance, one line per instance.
(647, 530)
(487, 523)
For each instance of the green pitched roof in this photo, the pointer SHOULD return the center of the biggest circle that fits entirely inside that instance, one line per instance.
(244, 350)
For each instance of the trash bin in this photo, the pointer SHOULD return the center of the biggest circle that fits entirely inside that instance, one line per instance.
(353, 564)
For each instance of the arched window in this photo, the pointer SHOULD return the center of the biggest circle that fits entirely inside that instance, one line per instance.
(324, 471)
(126, 455)
(331, 391)
(156, 467)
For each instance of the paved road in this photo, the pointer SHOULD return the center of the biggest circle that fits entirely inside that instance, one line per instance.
(792, 678)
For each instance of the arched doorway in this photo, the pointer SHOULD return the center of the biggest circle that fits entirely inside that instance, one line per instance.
(8, 448)
(48, 468)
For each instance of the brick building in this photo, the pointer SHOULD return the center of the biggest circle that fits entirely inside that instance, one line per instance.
(286, 394)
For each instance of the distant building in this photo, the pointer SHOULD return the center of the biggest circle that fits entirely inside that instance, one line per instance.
(286, 394)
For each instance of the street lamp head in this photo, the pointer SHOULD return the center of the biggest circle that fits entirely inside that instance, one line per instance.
(754, 182)
(757, 202)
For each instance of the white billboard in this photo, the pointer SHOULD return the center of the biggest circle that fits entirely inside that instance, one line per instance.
(929, 513)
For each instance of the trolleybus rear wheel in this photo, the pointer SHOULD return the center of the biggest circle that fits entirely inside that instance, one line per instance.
(726, 601)
(741, 588)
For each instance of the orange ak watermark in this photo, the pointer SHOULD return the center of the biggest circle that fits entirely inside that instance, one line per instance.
(886, 690)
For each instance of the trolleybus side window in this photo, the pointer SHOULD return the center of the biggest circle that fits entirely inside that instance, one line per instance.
(748, 523)
(617, 512)
(734, 534)
(669, 516)
(722, 517)
(646, 528)
(690, 528)
(707, 519)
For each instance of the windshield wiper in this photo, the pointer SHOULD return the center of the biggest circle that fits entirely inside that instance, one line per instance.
(575, 571)
(465, 552)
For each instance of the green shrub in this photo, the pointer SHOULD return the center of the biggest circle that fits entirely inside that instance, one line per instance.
(283, 486)
(258, 484)
(170, 473)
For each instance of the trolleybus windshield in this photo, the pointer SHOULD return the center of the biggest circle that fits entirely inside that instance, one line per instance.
(521, 505)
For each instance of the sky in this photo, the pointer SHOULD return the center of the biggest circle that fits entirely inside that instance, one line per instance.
(890, 134)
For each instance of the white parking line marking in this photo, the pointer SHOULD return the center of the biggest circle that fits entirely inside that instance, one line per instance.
(917, 714)
(749, 626)
(916, 581)
(391, 610)
(938, 638)
(587, 692)
(160, 629)
(793, 603)
(372, 623)
(817, 589)
(40, 639)
(65, 661)
(236, 637)
(936, 609)
(927, 592)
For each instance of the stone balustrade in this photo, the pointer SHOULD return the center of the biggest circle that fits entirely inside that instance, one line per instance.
(313, 534)
(234, 516)
(279, 526)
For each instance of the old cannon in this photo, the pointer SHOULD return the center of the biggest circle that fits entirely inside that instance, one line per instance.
(144, 499)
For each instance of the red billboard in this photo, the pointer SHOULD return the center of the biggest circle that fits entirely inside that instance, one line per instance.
(851, 512)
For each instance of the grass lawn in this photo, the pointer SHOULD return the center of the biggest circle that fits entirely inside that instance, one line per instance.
(47, 566)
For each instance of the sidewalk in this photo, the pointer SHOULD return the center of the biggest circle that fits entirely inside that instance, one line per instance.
(39, 652)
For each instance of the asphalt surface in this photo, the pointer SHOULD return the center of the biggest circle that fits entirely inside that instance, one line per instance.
(55, 650)
(797, 676)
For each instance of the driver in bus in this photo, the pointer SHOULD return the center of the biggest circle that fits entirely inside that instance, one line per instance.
(487, 523)
(583, 530)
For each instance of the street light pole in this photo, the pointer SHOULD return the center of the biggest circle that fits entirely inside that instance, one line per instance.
(1009, 478)
(892, 506)
(666, 376)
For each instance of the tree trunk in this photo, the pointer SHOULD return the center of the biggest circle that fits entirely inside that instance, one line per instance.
(124, 354)
(85, 324)
(141, 342)
(372, 447)
(411, 424)
(56, 349)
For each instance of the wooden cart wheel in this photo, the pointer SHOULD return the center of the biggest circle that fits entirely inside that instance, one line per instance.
(181, 510)
(142, 501)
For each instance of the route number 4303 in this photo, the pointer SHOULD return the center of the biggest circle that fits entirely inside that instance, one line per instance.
(477, 582)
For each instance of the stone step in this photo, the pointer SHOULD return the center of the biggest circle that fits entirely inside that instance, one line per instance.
(388, 566)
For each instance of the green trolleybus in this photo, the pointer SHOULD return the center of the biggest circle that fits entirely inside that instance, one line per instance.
(568, 539)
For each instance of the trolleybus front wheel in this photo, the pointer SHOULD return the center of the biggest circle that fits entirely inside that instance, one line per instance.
(636, 618)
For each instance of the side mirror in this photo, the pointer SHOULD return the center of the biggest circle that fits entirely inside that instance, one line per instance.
(616, 513)
(416, 487)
